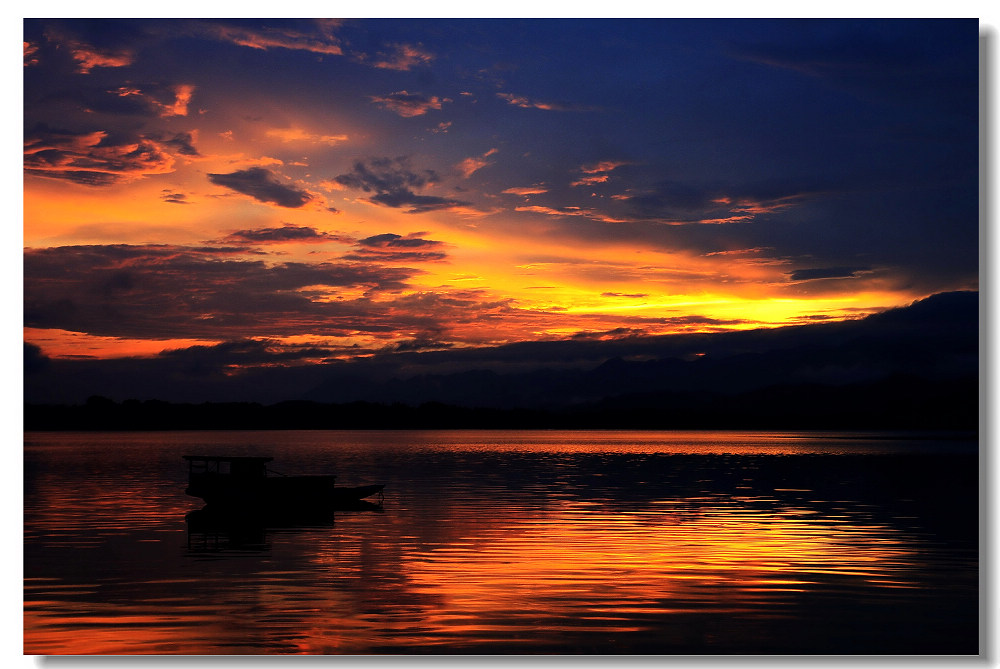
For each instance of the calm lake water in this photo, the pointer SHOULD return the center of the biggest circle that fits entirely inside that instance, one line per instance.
(562, 542)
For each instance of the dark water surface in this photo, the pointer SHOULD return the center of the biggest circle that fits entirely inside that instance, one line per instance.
(511, 542)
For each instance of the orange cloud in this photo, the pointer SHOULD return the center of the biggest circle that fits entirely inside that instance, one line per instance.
(527, 190)
(739, 252)
(590, 181)
(29, 54)
(767, 206)
(88, 57)
(596, 172)
(519, 101)
(300, 135)
(603, 166)
(410, 104)
(179, 107)
(528, 103)
(405, 57)
(469, 166)
(572, 211)
(276, 38)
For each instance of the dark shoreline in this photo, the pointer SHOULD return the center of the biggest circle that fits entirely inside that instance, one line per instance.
(902, 405)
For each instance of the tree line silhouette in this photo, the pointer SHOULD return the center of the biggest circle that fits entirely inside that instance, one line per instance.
(899, 402)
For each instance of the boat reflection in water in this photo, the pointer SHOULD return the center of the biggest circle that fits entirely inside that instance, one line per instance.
(243, 502)
(213, 530)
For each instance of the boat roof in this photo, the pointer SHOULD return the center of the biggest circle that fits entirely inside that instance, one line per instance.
(228, 458)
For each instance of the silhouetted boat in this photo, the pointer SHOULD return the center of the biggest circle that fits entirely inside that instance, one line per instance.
(243, 483)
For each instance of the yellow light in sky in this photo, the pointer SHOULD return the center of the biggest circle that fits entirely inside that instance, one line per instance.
(549, 286)
(64, 344)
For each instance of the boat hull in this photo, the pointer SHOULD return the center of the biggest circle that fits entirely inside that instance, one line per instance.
(273, 493)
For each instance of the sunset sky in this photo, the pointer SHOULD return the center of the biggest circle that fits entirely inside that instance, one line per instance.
(317, 190)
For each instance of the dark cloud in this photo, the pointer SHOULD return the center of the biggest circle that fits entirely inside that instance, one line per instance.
(113, 102)
(233, 370)
(261, 184)
(183, 143)
(242, 353)
(410, 345)
(607, 335)
(826, 273)
(417, 203)
(149, 100)
(171, 291)
(386, 174)
(391, 240)
(92, 158)
(390, 247)
(393, 182)
(174, 198)
(691, 202)
(676, 200)
(121, 36)
(696, 319)
(34, 360)
(286, 233)
(163, 292)
(82, 177)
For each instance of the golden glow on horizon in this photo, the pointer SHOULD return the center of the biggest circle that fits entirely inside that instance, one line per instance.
(542, 300)
(65, 344)
(547, 292)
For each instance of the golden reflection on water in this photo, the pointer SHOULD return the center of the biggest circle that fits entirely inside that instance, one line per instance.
(520, 580)
(722, 560)
(463, 559)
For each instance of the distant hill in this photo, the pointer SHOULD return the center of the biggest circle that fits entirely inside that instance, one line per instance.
(935, 339)
(915, 367)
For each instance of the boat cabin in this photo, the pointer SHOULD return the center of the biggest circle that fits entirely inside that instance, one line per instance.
(204, 468)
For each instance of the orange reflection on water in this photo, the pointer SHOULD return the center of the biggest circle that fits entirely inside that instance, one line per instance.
(116, 633)
(716, 560)
(638, 542)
